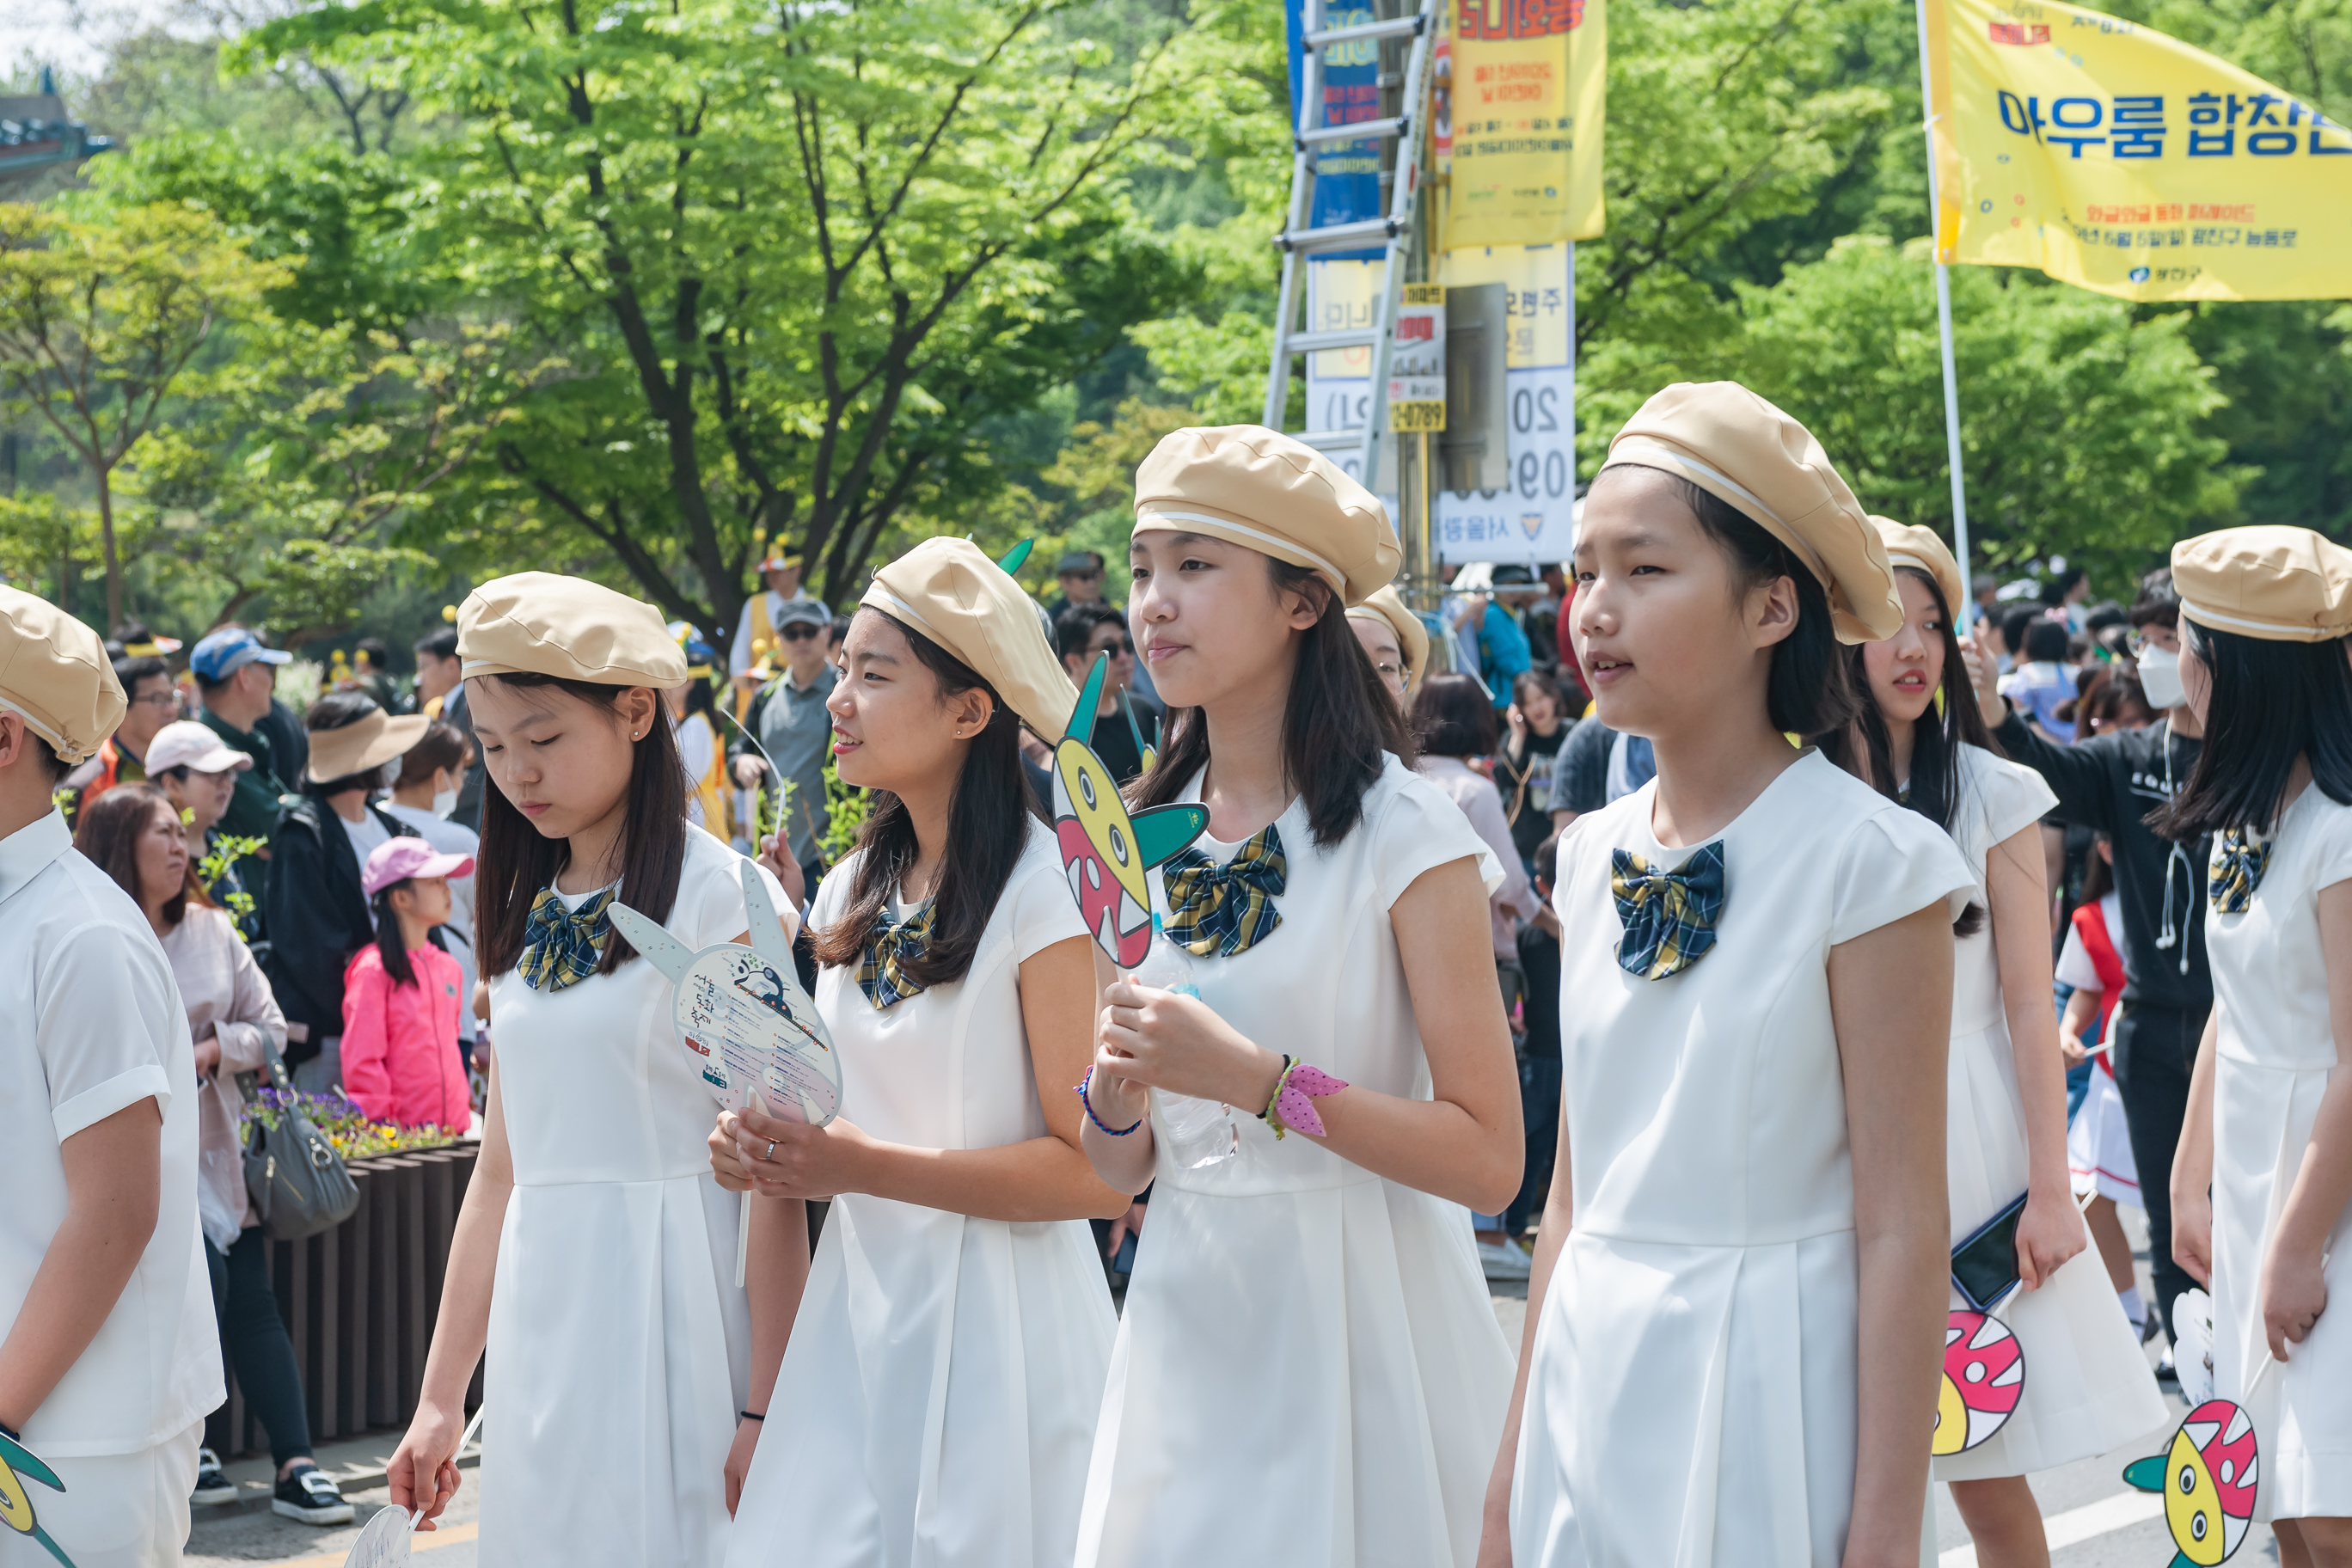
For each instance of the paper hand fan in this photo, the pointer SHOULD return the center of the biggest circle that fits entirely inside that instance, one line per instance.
(744, 1022)
(18, 1465)
(2208, 1477)
(384, 1541)
(1105, 850)
(1984, 1376)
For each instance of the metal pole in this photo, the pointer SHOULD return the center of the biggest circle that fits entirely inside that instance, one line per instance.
(1965, 611)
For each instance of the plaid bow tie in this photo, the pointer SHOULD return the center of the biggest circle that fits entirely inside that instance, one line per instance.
(882, 974)
(1669, 915)
(1220, 911)
(562, 947)
(2236, 871)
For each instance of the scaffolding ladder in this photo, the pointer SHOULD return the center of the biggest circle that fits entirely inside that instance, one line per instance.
(1394, 229)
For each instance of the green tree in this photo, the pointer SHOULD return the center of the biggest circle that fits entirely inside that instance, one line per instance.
(793, 256)
(100, 319)
(2080, 424)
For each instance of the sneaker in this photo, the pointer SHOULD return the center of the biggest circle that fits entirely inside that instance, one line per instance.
(2166, 1371)
(310, 1496)
(1503, 1260)
(212, 1487)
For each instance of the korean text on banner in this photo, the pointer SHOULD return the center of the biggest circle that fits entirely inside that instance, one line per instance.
(1534, 517)
(1346, 173)
(1528, 92)
(1417, 360)
(2126, 162)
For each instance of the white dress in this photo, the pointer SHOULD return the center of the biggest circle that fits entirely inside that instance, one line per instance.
(2098, 1140)
(1308, 1371)
(2088, 1388)
(2276, 1051)
(619, 1347)
(1692, 1396)
(937, 1402)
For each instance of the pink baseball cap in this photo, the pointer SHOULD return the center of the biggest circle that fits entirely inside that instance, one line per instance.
(398, 859)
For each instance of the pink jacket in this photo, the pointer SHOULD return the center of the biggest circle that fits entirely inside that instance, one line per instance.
(400, 1042)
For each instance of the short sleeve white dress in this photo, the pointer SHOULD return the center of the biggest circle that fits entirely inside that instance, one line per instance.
(2275, 1052)
(619, 1344)
(1308, 1370)
(1692, 1396)
(936, 1402)
(2088, 1388)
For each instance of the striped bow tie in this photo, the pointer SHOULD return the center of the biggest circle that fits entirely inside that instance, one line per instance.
(1669, 915)
(2236, 869)
(562, 947)
(882, 973)
(1217, 910)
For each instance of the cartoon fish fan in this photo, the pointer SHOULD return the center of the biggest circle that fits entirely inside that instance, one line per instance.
(954, 595)
(1984, 1377)
(2209, 1479)
(18, 1465)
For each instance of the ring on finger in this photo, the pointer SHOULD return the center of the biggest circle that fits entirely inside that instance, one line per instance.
(771, 1156)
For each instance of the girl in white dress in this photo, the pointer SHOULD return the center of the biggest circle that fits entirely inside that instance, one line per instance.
(594, 1253)
(2265, 613)
(1737, 1310)
(1308, 1370)
(937, 1404)
(1921, 741)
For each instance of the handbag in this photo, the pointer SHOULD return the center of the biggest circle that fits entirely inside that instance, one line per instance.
(299, 1184)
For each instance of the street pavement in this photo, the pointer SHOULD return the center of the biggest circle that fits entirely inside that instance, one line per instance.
(2094, 1520)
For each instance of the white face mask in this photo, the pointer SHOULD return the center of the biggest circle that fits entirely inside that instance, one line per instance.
(2159, 676)
(444, 801)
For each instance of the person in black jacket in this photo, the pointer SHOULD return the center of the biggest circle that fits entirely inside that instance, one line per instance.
(2110, 784)
(317, 915)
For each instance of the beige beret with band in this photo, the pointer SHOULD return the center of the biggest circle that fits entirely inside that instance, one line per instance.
(1748, 454)
(1908, 545)
(948, 590)
(54, 675)
(366, 744)
(537, 623)
(2271, 581)
(1272, 493)
(1385, 605)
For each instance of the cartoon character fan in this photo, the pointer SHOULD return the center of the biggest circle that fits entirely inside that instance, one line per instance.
(18, 1465)
(2209, 1477)
(1104, 848)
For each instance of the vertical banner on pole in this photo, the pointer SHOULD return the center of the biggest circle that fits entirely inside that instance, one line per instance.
(1533, 519)
(1529, 95)
(1933, 75)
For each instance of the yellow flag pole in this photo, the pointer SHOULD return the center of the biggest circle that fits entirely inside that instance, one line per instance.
(1963, 612)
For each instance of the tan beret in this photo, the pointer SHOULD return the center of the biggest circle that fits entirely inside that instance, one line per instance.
(1748, 454)
(1387, 605)
(537, 623)
(948, 590)
(2279, 584)
(1919, 548)
(54, 675)
(1257, 488)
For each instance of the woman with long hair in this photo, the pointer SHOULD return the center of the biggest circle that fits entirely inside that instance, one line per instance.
(594, 1257)
(937, 1401)
(1737, 1308)
(1307, 1361)
(1920, 741)
(2264, 615)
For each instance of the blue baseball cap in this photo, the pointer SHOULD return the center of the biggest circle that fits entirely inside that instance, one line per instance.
(224, 652)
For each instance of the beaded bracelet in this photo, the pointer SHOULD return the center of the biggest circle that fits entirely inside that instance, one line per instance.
(1294, 1093)
(1115, 1131)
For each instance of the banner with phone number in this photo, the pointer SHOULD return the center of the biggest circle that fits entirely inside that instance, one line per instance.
(1527, 94)
(2113, 157)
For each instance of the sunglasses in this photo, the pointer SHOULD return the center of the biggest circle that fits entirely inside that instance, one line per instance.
(1093, 577)
(1117, 645)
(800, 634)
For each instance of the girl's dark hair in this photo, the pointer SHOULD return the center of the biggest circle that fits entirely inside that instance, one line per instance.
(388, 944)
(1810, 690)
(515, 861)
(1866, 749)
(2047, 642)
(1531, 683)
(2272, 702)
(699, 701)
(2098, 876)
(1337, 724)
(988, 820)
(334, 711)
(107, 833)
(1453, 717)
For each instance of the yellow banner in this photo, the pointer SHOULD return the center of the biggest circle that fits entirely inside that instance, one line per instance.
(2124, 161)
(1528, 92)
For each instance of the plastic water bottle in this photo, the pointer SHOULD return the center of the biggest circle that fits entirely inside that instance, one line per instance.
(1200, 1131)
